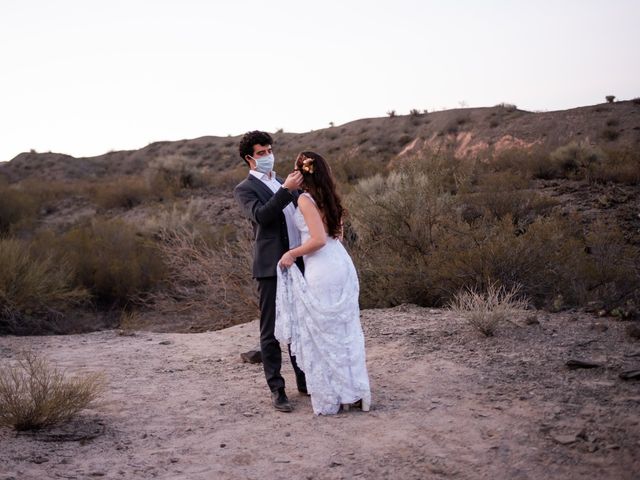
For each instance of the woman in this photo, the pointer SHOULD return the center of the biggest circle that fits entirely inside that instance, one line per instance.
(318, 313)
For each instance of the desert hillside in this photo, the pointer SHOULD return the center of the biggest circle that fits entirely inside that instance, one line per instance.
(468, 131)
(439, 202)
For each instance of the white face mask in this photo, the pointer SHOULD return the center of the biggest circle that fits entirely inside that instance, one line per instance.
(265, 164)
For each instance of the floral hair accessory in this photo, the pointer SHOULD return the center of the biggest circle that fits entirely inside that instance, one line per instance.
(307, 165)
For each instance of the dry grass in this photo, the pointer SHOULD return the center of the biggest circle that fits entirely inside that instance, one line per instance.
(113, 260)
(33, 394)
(485, 311)
(31, 284)
(124, 192)
(215, 281)
(17, 208)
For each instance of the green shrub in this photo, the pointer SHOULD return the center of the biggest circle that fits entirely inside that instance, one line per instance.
(32, 284)
(112, 260)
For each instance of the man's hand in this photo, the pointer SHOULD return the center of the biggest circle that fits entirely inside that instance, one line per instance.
(293, 181)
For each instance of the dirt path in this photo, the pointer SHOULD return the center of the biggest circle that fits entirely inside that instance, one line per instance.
(447, 404)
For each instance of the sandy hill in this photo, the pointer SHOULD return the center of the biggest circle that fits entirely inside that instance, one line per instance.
(469, 131)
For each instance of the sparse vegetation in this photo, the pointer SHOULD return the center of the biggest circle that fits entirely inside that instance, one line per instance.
(33, 394)
(485, 311)
(213, 280)
(610, 134)
(610, 98)
(426, 231)
(17, 208)
(391, 113)
(112, 260)
(33, 284)
(508, 107)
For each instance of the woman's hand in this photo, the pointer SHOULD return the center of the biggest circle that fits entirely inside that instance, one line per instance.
(287, 260)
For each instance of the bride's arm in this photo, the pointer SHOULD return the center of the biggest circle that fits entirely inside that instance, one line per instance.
(317, 235)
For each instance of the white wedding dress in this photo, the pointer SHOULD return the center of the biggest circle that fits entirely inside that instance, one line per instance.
(319, 315)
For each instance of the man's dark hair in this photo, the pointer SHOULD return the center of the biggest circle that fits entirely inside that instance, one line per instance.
(253, 138)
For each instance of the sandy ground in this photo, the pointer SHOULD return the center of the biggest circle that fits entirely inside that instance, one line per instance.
(448, 403)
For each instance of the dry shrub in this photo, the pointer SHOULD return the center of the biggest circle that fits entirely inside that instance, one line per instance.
(348, 170)
(529, 163)
(499, 194)
(113, 260)
(32, 284)
(575, 160)
(619, 167)
(215, 281)
(227, 179)
(485, 311)
(412, 242)
(542, 260)
(173, 173)
(611, 274)
(33, 394)
(124, 192)
(17, 208)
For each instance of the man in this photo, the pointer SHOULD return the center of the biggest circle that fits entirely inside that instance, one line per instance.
(270, 204)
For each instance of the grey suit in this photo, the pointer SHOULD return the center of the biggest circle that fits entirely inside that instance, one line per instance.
(265, 211)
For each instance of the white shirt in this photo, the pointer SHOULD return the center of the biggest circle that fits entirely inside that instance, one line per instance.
(289, 210)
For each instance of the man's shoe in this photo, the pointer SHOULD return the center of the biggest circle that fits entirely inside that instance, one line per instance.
(280, 401)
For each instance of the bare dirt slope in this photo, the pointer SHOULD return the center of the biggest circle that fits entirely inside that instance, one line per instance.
(448, 403)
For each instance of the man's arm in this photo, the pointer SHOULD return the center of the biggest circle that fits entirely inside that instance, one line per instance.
(255, 210)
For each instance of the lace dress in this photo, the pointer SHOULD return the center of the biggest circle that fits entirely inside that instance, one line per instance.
(319, 315)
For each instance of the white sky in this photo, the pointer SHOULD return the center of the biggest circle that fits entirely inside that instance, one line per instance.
(86, 76)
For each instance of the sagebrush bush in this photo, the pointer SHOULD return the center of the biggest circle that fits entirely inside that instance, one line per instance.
(348, 170)
(33, 284)
(486, 310)
(17, 208)
(112, 260)
(33, 394)
(498, 194)
(124, 192)
(213, 280)
(621, 166)
(415, 238)
(175, 172)
(577, 161)
(227, 179)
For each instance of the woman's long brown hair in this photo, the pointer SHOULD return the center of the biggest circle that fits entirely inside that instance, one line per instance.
(319, 182)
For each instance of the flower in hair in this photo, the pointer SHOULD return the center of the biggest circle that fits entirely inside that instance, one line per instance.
(307, 165)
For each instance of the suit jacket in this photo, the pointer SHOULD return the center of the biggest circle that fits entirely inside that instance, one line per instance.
(265, 210)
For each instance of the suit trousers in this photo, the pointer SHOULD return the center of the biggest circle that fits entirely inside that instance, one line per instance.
(269, 345)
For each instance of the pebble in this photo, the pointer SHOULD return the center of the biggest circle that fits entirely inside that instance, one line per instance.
(565, 439)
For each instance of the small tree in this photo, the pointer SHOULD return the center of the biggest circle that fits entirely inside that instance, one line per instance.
(610, 98)
(331, 124)
(391, 113)
(414, 112)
